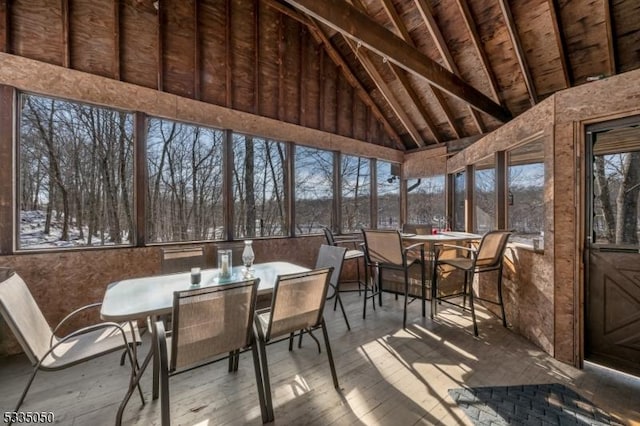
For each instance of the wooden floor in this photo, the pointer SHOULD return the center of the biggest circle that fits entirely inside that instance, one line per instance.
(388, 376)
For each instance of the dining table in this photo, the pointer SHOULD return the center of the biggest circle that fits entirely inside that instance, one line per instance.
(152, 296)
(431, 241)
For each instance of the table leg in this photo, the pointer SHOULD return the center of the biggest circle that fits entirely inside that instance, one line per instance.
(156, 359)
(133, 384)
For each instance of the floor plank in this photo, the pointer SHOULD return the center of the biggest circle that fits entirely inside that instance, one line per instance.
(388, 376)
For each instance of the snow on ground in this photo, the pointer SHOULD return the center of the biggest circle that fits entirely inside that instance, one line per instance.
(32, 234)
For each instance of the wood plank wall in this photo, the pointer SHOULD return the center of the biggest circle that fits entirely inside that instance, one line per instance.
(240, 54)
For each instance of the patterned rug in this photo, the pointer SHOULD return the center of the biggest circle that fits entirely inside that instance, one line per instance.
(545, 404)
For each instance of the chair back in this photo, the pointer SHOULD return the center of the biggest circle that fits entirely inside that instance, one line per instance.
(298, 302)
(331, 257)
(491, 249)
(181, 259)
(23, 315)
(417, 228)
(383, 246)
(328, 234)
(211, 321)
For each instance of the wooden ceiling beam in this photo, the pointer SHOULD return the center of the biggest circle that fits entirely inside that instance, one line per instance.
(197, 57)
(426, 12)
(339, 61)
(435, 92)
(469, 22)
(5, 39)
(66, 46)
(402, 77)
(227, 56)
(256, 57)
(160, 47)
(517, 47)
(366, 62)
(611, 37)
(323, 40)
(357, 25)
(116, 39)
(561, 43)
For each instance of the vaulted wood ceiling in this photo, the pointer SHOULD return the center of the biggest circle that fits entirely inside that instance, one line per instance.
(399, 73)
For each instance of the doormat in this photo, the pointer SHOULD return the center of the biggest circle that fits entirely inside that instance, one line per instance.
(543, 404)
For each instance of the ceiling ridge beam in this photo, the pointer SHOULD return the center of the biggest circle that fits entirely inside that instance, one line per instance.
(426, 12)
(360, 27)
(374, 74)
(517, 47)
(322, 39)
(560, 42)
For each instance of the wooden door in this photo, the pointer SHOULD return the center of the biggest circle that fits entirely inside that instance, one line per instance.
(613, 331)
(612, 287)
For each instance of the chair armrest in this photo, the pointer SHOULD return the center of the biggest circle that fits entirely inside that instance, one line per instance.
(438, 245)
(413, 247)
(90, 328)
(71, 315)
(341, 241)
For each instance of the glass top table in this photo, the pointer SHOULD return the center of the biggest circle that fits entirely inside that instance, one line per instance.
(138, 298)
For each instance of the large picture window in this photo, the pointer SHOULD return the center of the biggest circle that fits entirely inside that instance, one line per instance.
(484, 196)
(459, 200)
(258, 187)
(388, 196)
(526, 191)
(75, 175)
(426, 201)
(313, 189)
(184, 190)
(356, 190)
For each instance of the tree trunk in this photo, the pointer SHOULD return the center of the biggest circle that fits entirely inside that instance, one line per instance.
(605, 199)
(627, 201)
(250, 195)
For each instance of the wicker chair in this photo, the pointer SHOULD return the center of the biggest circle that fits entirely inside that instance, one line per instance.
(297, 304)
(385, 252)
(48, 352)
(208, 322)
(486, 258)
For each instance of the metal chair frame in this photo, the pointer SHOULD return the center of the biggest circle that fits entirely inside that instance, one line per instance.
(469, 274)
(264, 337)
(334, 240)
(379, 267)
(37, 361)
(168, 367)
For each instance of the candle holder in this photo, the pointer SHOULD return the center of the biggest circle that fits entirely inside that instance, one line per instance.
(225, 264)
(195, 276)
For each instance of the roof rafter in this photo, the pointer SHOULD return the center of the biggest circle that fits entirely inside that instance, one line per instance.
(560, 41)
(427, 15)
(374, 74)
(404, 34)
(475, 40)
(611, 37)
(360, 27)
(517, 47)
(322, 39)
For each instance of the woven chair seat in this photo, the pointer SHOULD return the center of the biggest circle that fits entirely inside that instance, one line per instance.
(88, 346)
